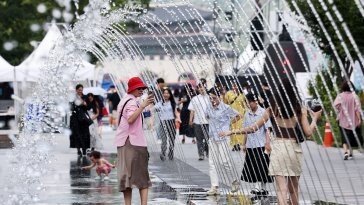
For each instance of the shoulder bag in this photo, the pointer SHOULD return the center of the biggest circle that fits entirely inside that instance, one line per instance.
(122, 110)
(83, 117)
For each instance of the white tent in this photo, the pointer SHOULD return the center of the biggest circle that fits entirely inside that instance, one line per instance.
(30, 68)
(6, 71)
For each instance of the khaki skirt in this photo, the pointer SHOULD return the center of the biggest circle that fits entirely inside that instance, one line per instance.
(132, 167)
(285, 158)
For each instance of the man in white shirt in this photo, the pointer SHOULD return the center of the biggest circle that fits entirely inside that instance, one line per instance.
(198, 121)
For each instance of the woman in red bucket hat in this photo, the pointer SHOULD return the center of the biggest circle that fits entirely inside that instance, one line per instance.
(132, 160)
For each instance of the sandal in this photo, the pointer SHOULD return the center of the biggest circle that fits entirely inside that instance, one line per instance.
(255, 191)
(261, 192)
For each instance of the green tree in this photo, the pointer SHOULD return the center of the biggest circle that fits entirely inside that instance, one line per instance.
(21, 23)
(351, 17)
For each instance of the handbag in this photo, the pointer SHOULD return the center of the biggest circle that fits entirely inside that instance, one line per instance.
(83, 117)
(104, 112)
(190, 131)
(299, 134)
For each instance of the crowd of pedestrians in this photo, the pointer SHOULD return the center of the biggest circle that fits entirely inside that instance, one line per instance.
(286, 114)
(266, 126)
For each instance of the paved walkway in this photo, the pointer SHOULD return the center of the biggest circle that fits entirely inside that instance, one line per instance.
(326, 176)
(184, 180)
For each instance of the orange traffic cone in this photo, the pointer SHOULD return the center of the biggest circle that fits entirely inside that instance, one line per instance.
(328, 138)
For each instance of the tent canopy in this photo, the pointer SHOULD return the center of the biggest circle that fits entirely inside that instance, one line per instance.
(30, 68)
(6, 70)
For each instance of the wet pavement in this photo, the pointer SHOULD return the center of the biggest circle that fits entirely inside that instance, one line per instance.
(185, 180)
(66, 183)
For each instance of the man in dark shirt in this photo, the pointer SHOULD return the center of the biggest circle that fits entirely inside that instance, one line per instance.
(113, 99)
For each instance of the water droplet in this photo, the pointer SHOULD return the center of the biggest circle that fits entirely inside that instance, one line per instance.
(41, 8)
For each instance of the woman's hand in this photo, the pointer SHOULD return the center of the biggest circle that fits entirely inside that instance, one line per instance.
(316, 115)
(267, 147)
(148, 101)
(243, 148)
(359, 122)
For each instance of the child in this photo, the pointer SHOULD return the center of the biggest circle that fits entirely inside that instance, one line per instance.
(256, 146)
(219, 116)
(103, 166)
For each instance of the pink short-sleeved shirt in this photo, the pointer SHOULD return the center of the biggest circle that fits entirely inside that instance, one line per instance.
(347, 104)
(135, 130)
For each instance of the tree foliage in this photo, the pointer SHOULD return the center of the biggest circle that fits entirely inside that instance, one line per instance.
(350, 16)
(19, 16)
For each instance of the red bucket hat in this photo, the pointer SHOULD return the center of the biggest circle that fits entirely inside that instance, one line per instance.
(135, 83)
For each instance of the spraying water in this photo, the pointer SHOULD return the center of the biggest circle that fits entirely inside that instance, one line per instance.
(184, 32)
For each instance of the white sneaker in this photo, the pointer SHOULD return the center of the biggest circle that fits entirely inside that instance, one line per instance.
(106, 178)
(88, 151)
(235, 186)
(213, 191)
(98, 178)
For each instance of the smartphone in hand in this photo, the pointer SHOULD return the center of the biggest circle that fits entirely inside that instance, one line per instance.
(151, 94)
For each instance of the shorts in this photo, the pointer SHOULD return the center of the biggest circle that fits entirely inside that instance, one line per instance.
(285, 158)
